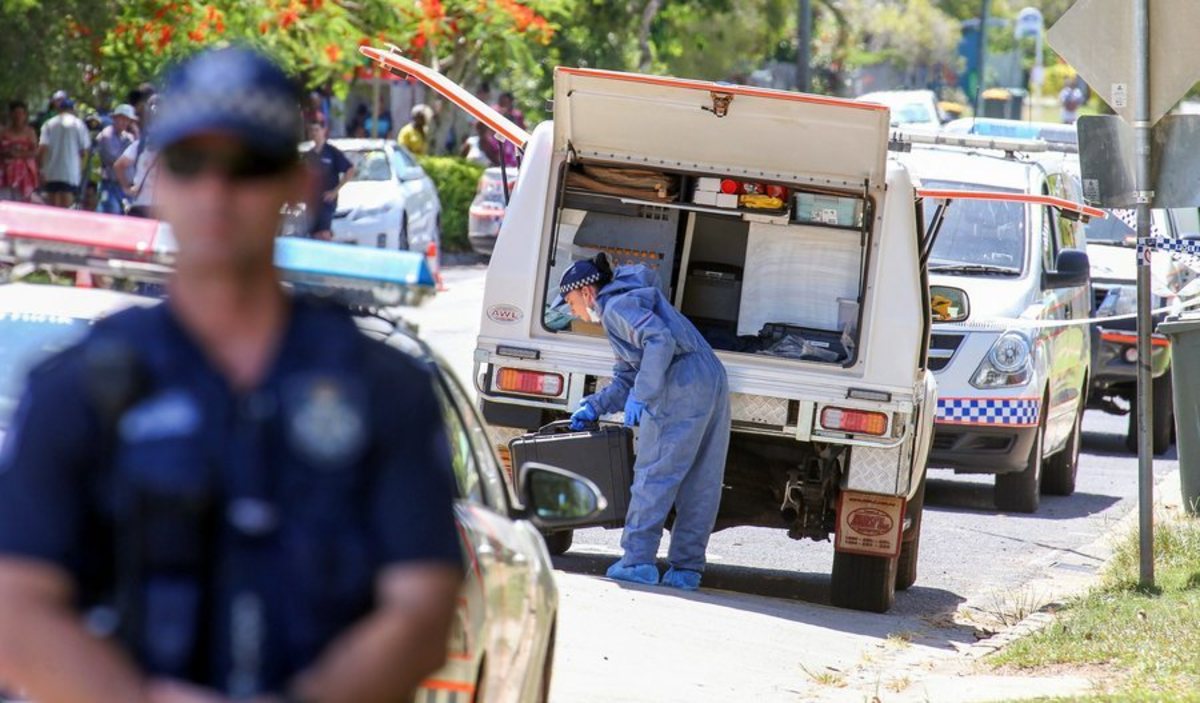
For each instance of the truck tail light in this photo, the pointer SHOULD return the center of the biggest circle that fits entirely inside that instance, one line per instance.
(529, 382)
(854, 421)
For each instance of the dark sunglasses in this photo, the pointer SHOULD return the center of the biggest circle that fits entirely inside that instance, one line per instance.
(187, 162)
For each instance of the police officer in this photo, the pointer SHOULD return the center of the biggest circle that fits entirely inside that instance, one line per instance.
(250, 498)
(668, 380)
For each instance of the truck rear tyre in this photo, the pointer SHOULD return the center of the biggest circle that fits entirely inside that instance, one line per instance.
(1163, 433)
(557, 543)
(863, 582)
(1020, 492)
(1059, 471)
(910, 547)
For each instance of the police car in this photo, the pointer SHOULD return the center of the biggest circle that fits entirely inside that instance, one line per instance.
(502, 642)
(1011, 299)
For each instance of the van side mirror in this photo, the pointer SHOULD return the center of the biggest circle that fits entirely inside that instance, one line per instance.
(1072, 269)
(556, 498)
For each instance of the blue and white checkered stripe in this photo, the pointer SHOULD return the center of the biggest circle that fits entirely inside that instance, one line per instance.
(1010, 412)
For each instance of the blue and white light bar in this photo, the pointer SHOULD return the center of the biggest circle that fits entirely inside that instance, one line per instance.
(355, 275)
(143, 249)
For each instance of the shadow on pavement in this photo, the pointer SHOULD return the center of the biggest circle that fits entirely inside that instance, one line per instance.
(1108, 444)
(950, 496)
(776, 593)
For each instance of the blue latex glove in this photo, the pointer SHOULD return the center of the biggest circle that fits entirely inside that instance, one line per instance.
(584, 416)
(633, 411)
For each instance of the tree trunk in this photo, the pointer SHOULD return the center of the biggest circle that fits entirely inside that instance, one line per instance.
(648, 15)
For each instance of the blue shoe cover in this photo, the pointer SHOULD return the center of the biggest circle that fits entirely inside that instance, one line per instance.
(638, 573)
(683, 579)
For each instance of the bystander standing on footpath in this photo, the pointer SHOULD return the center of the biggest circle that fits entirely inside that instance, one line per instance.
(64, 142)
(111, 144)
(259, 495)
(18, 155)
(332, 170)
(137, 169)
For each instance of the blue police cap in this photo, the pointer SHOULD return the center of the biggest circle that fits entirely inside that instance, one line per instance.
(233, 90)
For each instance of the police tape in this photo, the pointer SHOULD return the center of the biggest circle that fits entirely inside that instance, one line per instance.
(1002, 324)
(1185, 251)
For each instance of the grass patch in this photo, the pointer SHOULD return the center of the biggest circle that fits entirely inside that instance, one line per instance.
(1149, 642)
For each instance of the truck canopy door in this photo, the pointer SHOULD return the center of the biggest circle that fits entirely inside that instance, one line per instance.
(688, 125)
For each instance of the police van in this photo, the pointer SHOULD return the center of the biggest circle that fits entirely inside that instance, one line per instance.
(776, 223)
(1011, 300)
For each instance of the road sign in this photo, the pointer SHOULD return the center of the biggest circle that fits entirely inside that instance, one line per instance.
(1097, 38)
(1107, 161)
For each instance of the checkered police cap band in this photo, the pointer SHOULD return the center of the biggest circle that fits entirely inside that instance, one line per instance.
(270, 112)
(589, 280)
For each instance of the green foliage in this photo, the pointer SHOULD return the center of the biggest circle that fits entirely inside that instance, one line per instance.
(457, 180)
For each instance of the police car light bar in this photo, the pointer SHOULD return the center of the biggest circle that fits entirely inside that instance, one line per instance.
(355, 275)
(77, 238)
(902, 139)
(1068, 207)
(145, 249)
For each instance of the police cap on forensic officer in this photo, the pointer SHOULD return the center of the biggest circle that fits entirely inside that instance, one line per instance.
(234, 494)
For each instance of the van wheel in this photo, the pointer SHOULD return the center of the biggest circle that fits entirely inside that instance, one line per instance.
(557, 543)
(1020, 492)
(910, 547)
(1058, 475)
(1163, 433)
(862, 582)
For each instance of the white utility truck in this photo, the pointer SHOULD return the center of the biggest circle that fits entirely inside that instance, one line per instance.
(775, 222)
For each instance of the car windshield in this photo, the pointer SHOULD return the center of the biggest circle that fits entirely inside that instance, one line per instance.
(26, 339)
(984, 235)
(370, 165)
(911, 113)
(1114, 230)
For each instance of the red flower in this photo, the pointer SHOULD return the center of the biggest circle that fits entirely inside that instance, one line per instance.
(287, 18)
(196, 35)
(164, 37)
(419, 41)
(433, 9)
(333, 53)
(220, 25)
(263, 27)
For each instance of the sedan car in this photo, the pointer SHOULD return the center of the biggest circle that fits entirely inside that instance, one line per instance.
(502, 641)
(389, 202)
(912, 109)
(487, 209)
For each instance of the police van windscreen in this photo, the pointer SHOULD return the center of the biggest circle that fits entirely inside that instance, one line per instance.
(26, 339)
(977, 236)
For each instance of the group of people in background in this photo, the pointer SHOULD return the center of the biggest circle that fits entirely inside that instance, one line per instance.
(49, 161)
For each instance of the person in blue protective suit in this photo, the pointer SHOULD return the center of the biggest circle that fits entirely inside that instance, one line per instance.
(247, 497)
(668, 382)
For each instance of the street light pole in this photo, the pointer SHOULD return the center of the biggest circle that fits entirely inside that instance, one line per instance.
(982, 63)
(804, 47)
(1145, 196)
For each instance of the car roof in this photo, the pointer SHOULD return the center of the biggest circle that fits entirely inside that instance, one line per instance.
(66, 301)
(985, 168)
(360, 144)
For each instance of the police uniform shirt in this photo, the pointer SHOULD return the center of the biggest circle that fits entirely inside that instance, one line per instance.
(267, 513)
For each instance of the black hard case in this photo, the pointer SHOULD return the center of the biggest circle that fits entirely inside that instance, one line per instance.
(604, 455)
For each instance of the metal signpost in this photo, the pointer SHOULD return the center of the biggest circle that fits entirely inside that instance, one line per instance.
(1109, 43)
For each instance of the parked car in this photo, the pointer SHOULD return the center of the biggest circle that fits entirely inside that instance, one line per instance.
(502, 641)
(1111, 248)
(1007, 278)
(817, 308)
(390, 203)
(487, 209)
(910, 109)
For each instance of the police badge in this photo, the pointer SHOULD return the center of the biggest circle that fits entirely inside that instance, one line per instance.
(326, 420)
